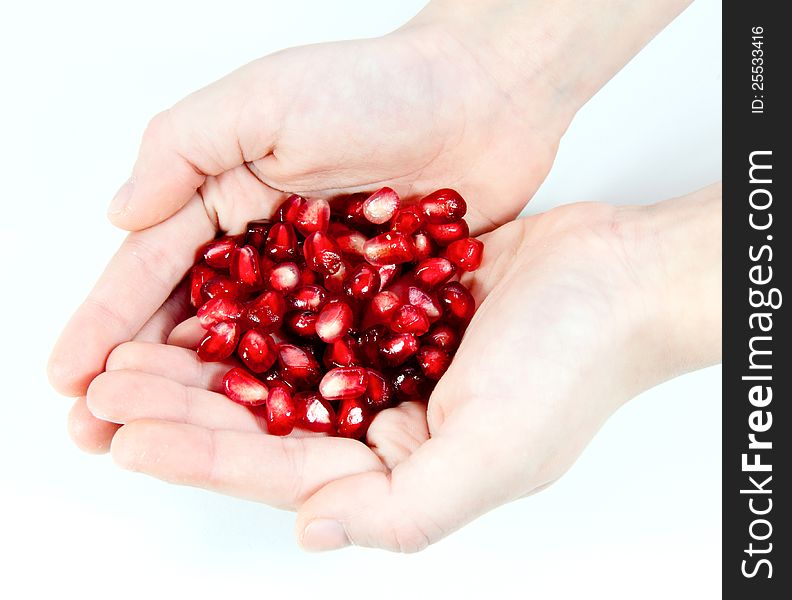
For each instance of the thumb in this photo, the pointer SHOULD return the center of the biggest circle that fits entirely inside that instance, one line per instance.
(210, 131)
(450, 480)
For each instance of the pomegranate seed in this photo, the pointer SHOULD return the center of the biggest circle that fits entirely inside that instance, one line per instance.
(257, 350)
(308, 277)
(363, 282)
(219, 342)
(314, 413)
(314, 216)
(433, 362)
(266, 311)
(245, 266)
(280, 415)
(322, 254)
(443, 206)
(199, 275)
(351, 210)
(466, 254)
(387, 274)
(217, 253)
(424, 246)
(379, 391)
(349, 241)
(457, 300)
(353, 419)
(368, 343)
(221, 286)
(256, 234)
(447, 233)
(274, 378)
(335, 283)
(410, 384)
(281, 243)
(244, 388)
(334, 321)
(302, 323)
(389, 248)
(285, 277)
(343, 382)
(341, 353)
(409, 319)
(297, 365)
(380, 207)
(397, 348)
(383, 306)
(408, 220)
(434, 271)
(427, 303)
(307, 297)
(443, 336)
(290, 209)
(219, 309)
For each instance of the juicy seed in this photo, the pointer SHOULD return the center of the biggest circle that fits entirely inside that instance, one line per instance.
(466, 254)
(244, 388)
(443, 206)
(217, 253)
(387, 274)
(322, 254)
(389, 249)
(256, 234)
(410, 384)
(353, 420)
(290, 209)
(280, 415)
(266, 312)
(334, 321)
(379, 391)
(314, 413)
(297, 364)
(221, 286)
(307, 297)
(335, 283)
(314, 216)
(383, 305)
(409, 319)
(343, 383)
(285, 277)
(257, 350)
(380, 207)
(302, 323)
(427, 303)
(281, 243)
(219, 309)
(245, 267)
(447, 233)
(443, 336)
(424, 246)
(363, 283)
(349, 241)
(434, 271)
(219, 342)
(199, 275)
(433, 362)
(341, 353)
(458, 302)
(408, 220)
(397, 348)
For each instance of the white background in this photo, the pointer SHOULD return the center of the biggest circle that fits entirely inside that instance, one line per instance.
(637, 517)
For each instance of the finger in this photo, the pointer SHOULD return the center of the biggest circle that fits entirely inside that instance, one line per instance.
(211, 131)
(187, 334)
(139, 278)
(172, 312)
(395, 433)
(447, 482)
(178, 364)
(86, 431)
(278, 471)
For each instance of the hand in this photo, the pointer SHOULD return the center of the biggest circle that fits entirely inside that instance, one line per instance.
(580, 309)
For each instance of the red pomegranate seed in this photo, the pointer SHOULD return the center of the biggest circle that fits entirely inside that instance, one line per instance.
(427, 303)
(434, 271)
(297, 364)
(466, 254)
(443, 336)
(314, 216)
(281, 243)
(410, 384)
(256, 234)
(290, 209)
(280, 415)
(307, 297)
(409, 319)
(351, 209)
(407, 220)
(245, 266)
(274, 378)
(447, 233)
(199, 275)
(308, 277)
(349, 240)
(443, 206)
(302, 323)
(397, 348)
(335, 283)
(353, 419)
(379, 391)
(457, 301)
(362, 283)
(341, 353)
(389, 249)
(217, 253)
(383, 306)
(380, 207)
(343, 382)
(221, 286)
(219, 342)
(433, 361)
(322, 254)
(244, 388)
(424, 246)
(285, 277)
(257, 350)
(314, 413)
(266, 312)
(388, 273)
(219, 309)
(368, 343)
(334, 321)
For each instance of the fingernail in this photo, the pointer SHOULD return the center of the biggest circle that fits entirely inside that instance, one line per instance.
(324, 534)
(121, 199)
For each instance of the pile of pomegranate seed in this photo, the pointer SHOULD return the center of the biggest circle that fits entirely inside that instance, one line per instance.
(337, 311)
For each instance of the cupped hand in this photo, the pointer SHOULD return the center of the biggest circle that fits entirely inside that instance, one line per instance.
(550, 354)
